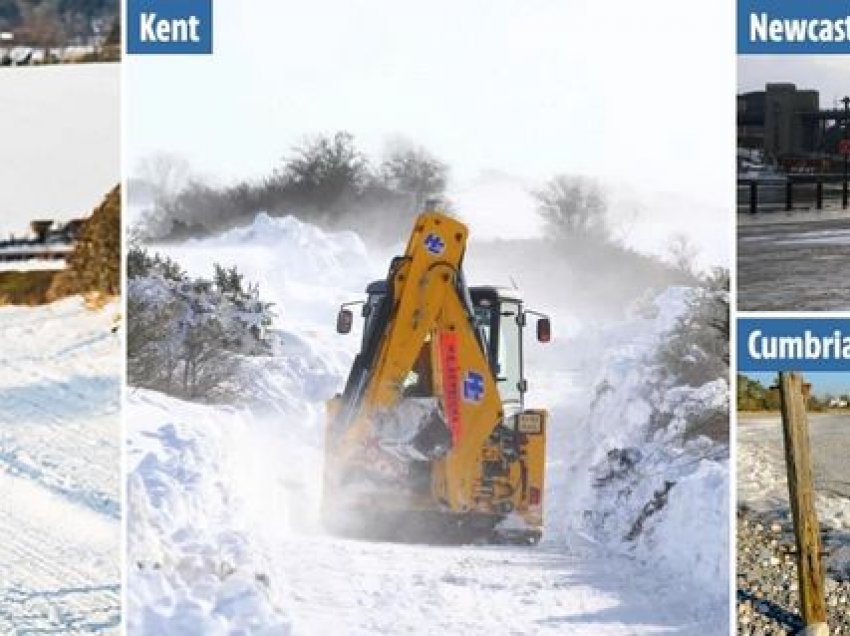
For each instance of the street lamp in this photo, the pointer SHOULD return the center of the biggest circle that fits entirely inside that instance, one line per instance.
(845, 150)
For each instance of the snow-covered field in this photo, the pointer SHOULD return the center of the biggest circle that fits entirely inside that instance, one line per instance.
(60, 370)
(60, 140)
(32, 266)
(222, 528)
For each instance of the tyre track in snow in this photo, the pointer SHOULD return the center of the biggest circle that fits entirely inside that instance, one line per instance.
(58, 566)
(343, 586)
(59, 465)
(59, 410)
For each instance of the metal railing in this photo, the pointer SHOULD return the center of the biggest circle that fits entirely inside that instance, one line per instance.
(796, 192)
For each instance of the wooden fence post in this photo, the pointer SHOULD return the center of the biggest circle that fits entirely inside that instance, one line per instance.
(798, 461)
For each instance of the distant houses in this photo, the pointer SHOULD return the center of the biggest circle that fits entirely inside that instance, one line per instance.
(17, 51)
(31, 56)
(48, 241)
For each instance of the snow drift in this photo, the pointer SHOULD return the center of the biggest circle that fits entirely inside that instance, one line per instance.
(632, 482)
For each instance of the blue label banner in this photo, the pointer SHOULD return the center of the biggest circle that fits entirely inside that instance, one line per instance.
(794, 26)
(794, 344)
(173, 27)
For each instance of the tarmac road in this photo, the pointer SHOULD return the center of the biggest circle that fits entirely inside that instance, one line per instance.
(794, 261)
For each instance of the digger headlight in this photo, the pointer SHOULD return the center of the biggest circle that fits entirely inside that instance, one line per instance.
(529, 423)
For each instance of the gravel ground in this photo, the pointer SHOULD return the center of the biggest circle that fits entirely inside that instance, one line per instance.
(767, 580)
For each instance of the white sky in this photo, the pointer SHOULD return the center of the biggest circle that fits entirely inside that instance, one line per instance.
(59, 141)
(829, 74)
(638, 93)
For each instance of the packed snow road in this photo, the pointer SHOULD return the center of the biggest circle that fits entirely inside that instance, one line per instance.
(354, 587)
(59, 463)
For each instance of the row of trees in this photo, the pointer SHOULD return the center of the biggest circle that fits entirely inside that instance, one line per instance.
(53, 23)
(326, 180)
(576, 209)
(754, 396)
(187, 337)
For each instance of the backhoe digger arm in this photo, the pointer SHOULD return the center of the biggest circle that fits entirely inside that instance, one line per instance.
(427, 304)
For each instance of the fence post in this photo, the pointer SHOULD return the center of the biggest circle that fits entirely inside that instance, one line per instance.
(798, 462)
(754, 197)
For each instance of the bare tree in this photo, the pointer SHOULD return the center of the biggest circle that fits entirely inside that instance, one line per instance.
(683, 254)
(574, 206)
(41, 24)
(165, 173)
(413, 170)
(325, 168)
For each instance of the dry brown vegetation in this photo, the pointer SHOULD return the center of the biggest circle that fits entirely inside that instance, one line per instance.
(25, 288)
(93, 269)
(95, 264)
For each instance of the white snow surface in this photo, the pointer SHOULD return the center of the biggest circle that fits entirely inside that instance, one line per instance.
(223, 534)
(60, 134)
(32, 265)
(60, 375)
(688, 539)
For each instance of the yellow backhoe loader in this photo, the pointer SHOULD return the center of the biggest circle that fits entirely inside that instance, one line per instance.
(430, 439)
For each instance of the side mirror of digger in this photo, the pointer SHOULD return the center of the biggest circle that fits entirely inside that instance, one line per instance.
(344, 321)
(544, 330)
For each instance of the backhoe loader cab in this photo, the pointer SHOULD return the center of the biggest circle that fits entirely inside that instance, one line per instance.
(432, 422)
(501, 323)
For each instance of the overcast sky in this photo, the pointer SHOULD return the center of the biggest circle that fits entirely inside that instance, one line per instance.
(59, 141)
(526, 89)
(829, 74)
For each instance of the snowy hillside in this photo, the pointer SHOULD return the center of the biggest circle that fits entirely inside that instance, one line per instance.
(60, 374)
(222, 501)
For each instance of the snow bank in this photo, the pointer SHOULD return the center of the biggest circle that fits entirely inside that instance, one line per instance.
(213, 491)
(630, 481)
(298, 251)
(207, 498)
